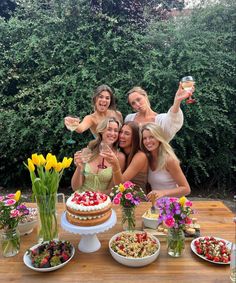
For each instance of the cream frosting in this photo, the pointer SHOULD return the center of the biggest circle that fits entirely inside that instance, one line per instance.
(80, 207)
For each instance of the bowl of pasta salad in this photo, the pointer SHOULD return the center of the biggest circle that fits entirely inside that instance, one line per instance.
(134, 248)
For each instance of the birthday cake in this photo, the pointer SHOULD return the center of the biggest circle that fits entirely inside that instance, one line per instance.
(88, 208)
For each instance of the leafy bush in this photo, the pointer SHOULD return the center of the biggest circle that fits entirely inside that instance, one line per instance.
(52, 57)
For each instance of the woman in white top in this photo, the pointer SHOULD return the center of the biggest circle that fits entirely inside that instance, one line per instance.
(164, 174)
(171, 122)
(104, 106)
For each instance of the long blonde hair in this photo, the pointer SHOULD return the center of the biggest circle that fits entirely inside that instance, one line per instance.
(141, 91)
(165, 151)
(101, 127)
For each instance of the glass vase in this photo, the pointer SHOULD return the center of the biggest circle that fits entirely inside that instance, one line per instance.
(175, 242)
(10, 241)
(47, 217)
(128, 218)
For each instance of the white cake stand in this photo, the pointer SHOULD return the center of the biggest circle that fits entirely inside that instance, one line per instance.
(89, 242)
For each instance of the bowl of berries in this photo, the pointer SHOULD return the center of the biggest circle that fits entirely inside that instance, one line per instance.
(49, 256)
(212, 249)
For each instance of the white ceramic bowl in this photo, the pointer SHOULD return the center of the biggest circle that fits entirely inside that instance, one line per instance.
(149, 221)
(131, 261)
(27, 227)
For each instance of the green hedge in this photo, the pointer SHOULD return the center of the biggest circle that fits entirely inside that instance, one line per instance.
(52, 59)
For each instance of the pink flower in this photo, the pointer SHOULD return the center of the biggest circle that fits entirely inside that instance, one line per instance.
(14, 213)
(9, 202)
(188, 203)
(1, 198)
(119, 195)
(173, 199)
(170, 221)
(128, 196)
(116, 200)
(10, 195)
(128, 184)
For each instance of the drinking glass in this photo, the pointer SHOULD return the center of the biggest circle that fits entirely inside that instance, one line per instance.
(71, 125)
(86, 154)
(102, 148)
(187, 84)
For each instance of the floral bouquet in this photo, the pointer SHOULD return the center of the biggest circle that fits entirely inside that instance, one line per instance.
(128, 195)
(174, 213)
(11, 211)
(45, 174)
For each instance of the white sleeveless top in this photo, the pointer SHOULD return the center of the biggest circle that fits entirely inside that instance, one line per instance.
(161, 180)
(170, 122)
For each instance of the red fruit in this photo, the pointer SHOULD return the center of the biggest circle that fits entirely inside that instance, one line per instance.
(199, 251)
(216, 259)
(65, 256)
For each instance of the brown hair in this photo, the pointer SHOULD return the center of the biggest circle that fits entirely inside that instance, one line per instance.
(101, 88)
(139, 90)
(135, 145)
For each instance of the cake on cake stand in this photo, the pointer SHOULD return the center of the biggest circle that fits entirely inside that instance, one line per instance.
(89, 242)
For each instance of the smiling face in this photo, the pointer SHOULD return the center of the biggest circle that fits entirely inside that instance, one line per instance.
(103, 100)
(111, 133)
(138, 101)
(125, 137)
(150, 142)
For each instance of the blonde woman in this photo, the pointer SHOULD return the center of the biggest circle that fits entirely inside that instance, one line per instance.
(171, 122)
(164, 174)
(90, 176)
(104, 105)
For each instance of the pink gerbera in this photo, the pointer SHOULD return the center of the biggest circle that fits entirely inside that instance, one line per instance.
(119, 195)
(128, 196)
(9, 202)
(116, 200)
(170, 221)
(10, 195)
(14, 213)
(128, 184)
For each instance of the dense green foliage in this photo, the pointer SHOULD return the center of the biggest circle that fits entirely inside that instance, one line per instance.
(52, 57)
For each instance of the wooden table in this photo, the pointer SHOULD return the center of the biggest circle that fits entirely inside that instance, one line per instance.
(213, 216)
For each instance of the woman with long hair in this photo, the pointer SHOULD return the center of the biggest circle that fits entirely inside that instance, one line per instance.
(171, 122)
(104, 105)
(90, 176)
(165, 175)
(136, 165)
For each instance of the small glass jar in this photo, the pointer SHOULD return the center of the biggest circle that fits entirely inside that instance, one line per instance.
(175, 242)
(10, 242)
(128, 218)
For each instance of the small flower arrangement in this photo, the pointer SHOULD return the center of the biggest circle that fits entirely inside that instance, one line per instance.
(45, 174)
(174, 212)
(11, 210)
(127, 195)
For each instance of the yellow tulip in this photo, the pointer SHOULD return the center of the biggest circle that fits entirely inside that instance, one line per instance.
(30, 165)
(121, 188)
(48, 165)
(53, 159)
(35, 159)
(58, 167)
(17, 195)
(182, 201)
(48, 156)
(66, 162)
(42, 159)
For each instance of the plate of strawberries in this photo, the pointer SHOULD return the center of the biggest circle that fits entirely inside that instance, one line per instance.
(212, 249)
(49, 256)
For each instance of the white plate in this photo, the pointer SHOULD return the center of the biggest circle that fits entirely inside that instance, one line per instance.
(193, 248)
(28, 263)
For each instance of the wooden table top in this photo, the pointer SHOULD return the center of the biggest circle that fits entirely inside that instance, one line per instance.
(213, 216)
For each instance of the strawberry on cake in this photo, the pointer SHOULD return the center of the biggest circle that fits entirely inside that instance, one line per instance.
(88, 208)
